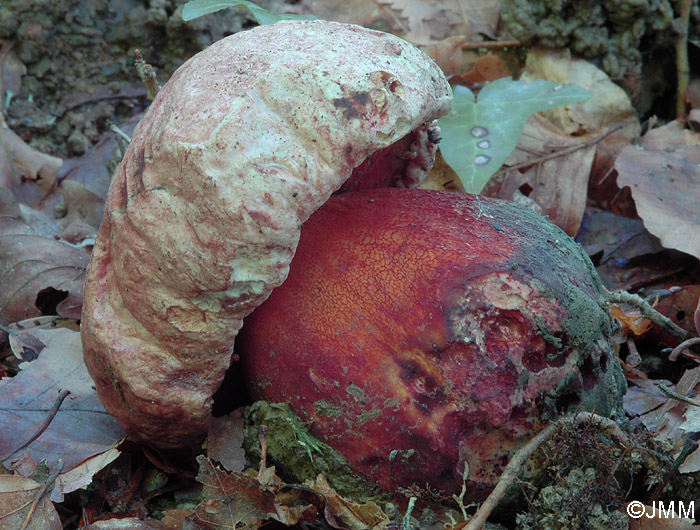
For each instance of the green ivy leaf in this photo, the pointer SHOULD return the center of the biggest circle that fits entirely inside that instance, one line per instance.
(198, 8)
(478, 137)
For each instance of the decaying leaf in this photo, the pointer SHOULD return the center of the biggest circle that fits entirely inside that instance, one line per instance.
(631, 320)
(681, 307)
(31, 265)
(355, 516)
(225, 440)
(16, 495)
(559, 184)
(81, 428)
(665, 186)
(487, 68)
(609, 106)
(239, 500)
(426, 21)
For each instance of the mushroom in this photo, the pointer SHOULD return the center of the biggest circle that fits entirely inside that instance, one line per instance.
(443, 329)
(245, 141)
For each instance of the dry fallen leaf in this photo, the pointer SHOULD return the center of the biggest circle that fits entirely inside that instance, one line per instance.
(238, 500)
(608, 106)
(680, 306)
(666, 190)
(225, 441)
(81, 475)
(32, 266)
(16, 495)
(81, 428)
(426, 21)
(487, 68)
(558, 185)
(355, 516)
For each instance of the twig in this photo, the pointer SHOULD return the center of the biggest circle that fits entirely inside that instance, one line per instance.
(39, 494)
(561, 152)
(678, 397)
(682, 67)
(147, 75)
(678, 350)
(511, 471)
(263, 452)
(689, 446)
(649, 312)
(62, 394)
(123, 139)
(406, 521)
(491, 44)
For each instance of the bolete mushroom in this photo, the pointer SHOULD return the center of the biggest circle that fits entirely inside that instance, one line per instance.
(243, 143)
(443, 329)
(440, 328)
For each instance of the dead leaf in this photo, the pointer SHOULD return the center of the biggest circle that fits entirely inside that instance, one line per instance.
(608, 106)
(81, 428)
(606, 236)
(482, 16)
(18, 160)
(174, 519)
(238, 500)
(487, 68)
(225, 441)
(126, 523)
(16, 496)
(27, 339)
(84, 181)
(367, 13)
(32, 265)
(664, 416)
(666, 189)
(81, 475)
(559, 184)
(442, 177)
(631, 320)
(11, 72)
(354, 515)
(680, 306)
(447, 53)
(427, 21)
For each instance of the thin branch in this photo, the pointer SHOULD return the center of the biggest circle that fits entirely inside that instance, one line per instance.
(678, 350)
(649, 312)
(510, 473)
(62, 394)
(147, 75)
(491, 44)
(682, 67)
(39, 494)
(562, 152)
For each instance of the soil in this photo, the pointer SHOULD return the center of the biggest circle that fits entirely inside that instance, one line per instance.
(79, 59)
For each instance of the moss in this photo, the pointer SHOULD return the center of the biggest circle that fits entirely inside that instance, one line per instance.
(568, 505)
(583, 491)
(299, 456)
(611, 30)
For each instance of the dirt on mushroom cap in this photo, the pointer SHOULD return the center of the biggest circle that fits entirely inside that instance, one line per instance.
(244, 142)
